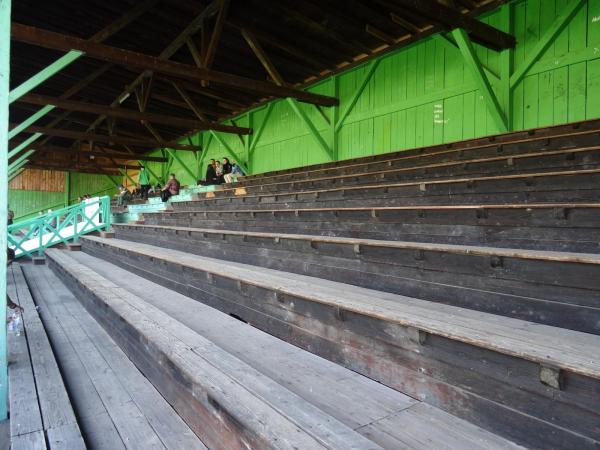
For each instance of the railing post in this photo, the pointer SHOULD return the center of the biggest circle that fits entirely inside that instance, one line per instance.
(4, 92)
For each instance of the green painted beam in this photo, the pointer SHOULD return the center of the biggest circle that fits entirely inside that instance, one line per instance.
(359, 90)
(15, 174)
(4, 90)
(159, 179)
(449, 43)
(547, 39)
(112, 181)
(507, 65)
(311, 127)
(126, 175)
(33, 82)
(30, 120)
(20, 159)
(229, 150)
(256, 136)
(17, 167)
(474, 66)
(24, 144)
(182, 164)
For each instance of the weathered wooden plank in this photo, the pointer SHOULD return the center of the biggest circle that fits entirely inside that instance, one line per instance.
(326, 330)
(30, 441)
(130, 421)
(54, 401)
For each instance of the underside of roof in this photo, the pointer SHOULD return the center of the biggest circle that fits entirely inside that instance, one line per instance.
(174, 67)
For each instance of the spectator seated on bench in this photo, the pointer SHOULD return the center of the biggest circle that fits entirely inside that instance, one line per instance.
(123, 196)
(170, 189)
(236, 172)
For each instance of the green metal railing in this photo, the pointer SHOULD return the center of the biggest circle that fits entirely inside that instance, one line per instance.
(64, 225)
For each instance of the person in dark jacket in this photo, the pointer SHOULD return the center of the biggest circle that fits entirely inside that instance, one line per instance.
(211, 174)
(225, 170)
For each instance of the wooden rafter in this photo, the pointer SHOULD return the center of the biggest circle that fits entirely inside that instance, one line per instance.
(78, 135)
(179, 122)
(211, 49)
(106, 152)
(57, 41)
(451, 18)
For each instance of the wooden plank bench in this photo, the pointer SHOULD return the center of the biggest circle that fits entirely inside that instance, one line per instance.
(550, 161)
(561, 186)
(555, 288)
(544, 226)
(564, 133)
(117, 406)
(386, 416)
(41, 415)
(225, 401)
(413, 345)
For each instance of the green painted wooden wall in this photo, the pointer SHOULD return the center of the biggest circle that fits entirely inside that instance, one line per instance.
(425, 94)
(27, 203)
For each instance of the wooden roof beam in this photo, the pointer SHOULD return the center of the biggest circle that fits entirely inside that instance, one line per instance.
(126, 114)
(451, 18)
(78, 135)
(106, 153)
(57, 41)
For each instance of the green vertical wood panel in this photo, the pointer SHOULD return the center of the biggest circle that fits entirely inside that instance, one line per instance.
(422, 95)
(591, 22)
(577, 91)
(593, 89)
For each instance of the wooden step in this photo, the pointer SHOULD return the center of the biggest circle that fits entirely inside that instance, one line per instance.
(543, 226)
(568, 135)
(387, 417)
(534, 162)
(116, 405)
(561, 186)
(554, 288)
(225, 401)
(538, 381)
(41, 415)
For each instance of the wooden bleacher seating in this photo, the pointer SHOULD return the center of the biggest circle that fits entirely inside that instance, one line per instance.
(462, 277)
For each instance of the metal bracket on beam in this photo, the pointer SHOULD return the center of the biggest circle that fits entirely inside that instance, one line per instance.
(417, 336)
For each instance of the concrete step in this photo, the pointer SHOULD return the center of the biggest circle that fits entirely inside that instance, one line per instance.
(543, 226)
(316, 394)
(533, 383)
(553, 288)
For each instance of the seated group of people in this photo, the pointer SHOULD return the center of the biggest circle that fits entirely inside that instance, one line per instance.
(216, 173)
(220, 173)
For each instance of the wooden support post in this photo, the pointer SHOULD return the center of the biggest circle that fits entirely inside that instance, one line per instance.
(67, 188)
(4, 90)
(473, 64)
(506, 67)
